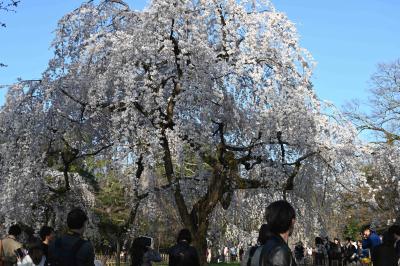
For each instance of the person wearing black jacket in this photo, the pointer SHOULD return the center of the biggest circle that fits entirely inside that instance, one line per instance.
(182, 254)
(281, 217)
(46, 234)
(385, 254)
(350, 252)
(395, 230)
(299, 252)
(71, 249)
(335, 253)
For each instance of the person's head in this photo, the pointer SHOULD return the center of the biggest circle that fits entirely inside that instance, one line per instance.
(76, 220)
(46, 234)
(348, 239)
(14, 230)
(263, 234)
(319, 241)
(395, 230)
(35, 250)
(336, 241)
(184, 235)
(366, 231)
(359, 243)
(388, 239)
(281, 217)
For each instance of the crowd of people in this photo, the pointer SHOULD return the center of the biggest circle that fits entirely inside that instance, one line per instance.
(370, 248)
(67, 250)
(71, 249)
(271, 250)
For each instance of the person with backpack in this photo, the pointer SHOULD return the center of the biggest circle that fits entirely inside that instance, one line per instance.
(320, 252)
(71, 249)
(9, 246)
(183, 254)
(142, 253)
(252, 256)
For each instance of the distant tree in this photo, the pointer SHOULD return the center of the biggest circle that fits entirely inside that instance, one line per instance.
(380, 125)
(112, 208)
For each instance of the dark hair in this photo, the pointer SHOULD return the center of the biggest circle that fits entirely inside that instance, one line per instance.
(76, 218)
(279, 216)
(263, 234)
(336, 239)
(14, 230)
(395, 229)
(365, 227)
(45, 231)
(348, 239)
(388, 239)
(184, 234)
(34, 243)
(319, 241)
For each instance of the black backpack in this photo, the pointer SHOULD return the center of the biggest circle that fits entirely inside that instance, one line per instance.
(64, 256)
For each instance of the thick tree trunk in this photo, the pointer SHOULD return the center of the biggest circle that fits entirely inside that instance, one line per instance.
(200, 243)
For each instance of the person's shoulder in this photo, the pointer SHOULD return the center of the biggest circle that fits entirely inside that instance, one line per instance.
(172, 247)
(374, 235)
(14, 243)
(86, 245)
(279, 255)
(270, 245)
(59, 241)
(280, 249)
(188, 249)
(85, 251)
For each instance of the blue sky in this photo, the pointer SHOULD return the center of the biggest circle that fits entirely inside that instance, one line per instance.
(346, 37)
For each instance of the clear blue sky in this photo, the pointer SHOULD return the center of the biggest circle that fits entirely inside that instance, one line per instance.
(346, 37)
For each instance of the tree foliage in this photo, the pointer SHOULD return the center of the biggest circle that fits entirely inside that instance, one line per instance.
(380, 125)
(217, 93)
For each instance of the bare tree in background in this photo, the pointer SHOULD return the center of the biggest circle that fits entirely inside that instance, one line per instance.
(7, 6)
(381, 125)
